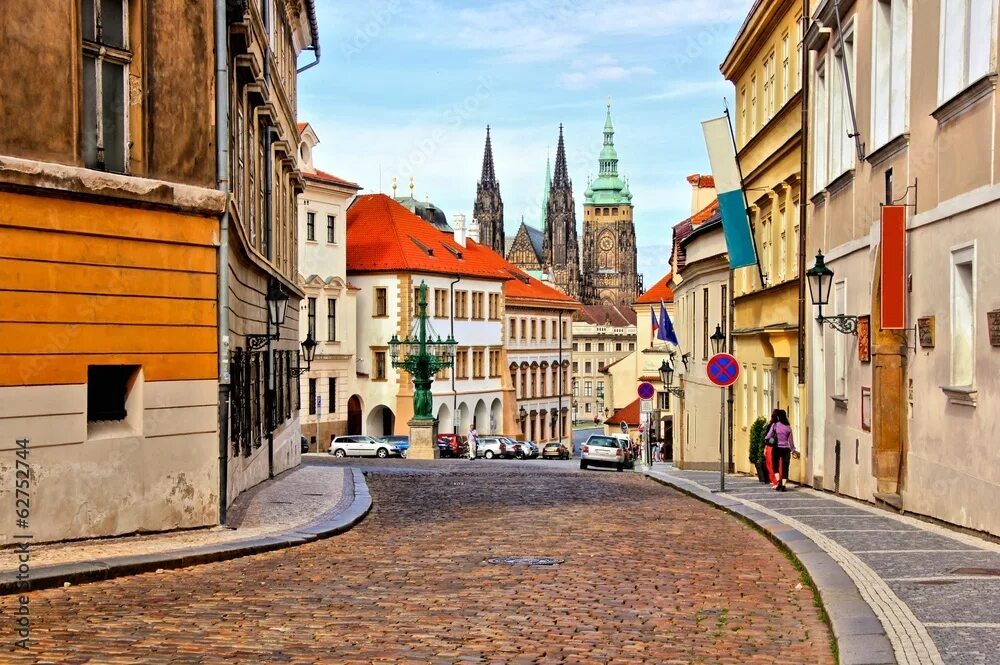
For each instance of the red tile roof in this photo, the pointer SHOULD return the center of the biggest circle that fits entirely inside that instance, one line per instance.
(628, 414)
(705, 213)
(612, 315)
(526, 287)
(659, 291)
(701, 181)
(383, 236)
(329, 177)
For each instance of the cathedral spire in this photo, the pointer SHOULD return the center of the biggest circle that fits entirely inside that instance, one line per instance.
(488, 208)
(489, 175)
(609, 156)
(561, 177)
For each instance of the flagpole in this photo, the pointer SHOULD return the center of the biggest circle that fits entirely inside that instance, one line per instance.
(746, 202)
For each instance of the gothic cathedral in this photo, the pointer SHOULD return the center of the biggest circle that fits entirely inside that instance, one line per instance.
(488, 209)
(559, 244)
(609, 272)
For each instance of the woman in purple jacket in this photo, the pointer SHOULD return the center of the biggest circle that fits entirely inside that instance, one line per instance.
(784, 445)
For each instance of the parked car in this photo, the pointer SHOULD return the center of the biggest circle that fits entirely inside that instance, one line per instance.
(626, 444)
(531, 450)
(401, 441)
(600, 450)
(363, 446)
(496, 446)
(305, 444)
(554, 450)
(452, 445)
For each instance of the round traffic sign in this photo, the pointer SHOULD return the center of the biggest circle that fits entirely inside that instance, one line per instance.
(646, 390)
(722, 369)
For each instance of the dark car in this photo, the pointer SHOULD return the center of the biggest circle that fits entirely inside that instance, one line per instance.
(452, 445)
(305, 445)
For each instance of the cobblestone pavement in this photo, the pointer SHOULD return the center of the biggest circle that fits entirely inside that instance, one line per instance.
(649, 576)
(936, 591)
(292, 499)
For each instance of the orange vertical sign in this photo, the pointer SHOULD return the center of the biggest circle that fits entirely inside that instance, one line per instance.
(893, 267)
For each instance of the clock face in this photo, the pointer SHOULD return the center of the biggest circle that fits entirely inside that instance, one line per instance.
(606, 243)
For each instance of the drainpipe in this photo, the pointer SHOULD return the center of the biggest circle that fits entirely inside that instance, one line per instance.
(454, 394)
(222, 294)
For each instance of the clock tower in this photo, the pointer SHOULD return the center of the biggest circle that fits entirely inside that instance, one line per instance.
(609, 273)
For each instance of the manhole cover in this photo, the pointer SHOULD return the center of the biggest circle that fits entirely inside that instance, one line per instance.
(986, 572)
(524, 561)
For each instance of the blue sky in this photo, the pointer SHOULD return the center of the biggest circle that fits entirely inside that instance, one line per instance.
(407, 87)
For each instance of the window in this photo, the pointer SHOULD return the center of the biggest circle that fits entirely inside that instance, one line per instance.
(110, 392)
(799, 59)
(332, 395)
(586, 346)
(462, 364)
(106, 59)
(841, 144)
(331, 319)
(600, 365)
(311, 320)
(821, 126)
(754, 395)
(746, 397)
(441, 304)
(794, 270)
(600, 389)
(586, 407)
(767, 245)
(379, 366)
(768, 393)
(494, 306)
(588, 388)
(588, 367)
(963, 320)
(477, 363)
(461, 304)
(534, 385)
(600, 346)
(786, 71)
(494, 362)
(542, 324)
(631, 346)
(331, 226)
(381, 304)
(965, 44)
(534, 331)
(744, 132)
(576, 389)
(312, 397)
(753, 105)
(724, 308)
(890, 70)
(576, 347)
(704, 324)
(840, 342)
(618, 346)
(664, 400)
(524, 325)
(477, 305)
(310, 226)
(416, 301)
(576, 367)
(768, 87)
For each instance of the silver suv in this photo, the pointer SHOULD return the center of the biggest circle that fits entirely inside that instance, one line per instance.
(496, 446)
(600, 450)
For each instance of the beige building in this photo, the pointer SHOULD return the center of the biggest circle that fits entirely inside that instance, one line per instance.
(330, 311)
(602, 335)
(701, 285)
(908, 416)
(763, 65)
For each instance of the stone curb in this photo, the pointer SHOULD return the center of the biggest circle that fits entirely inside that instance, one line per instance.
(861, 638)
(329, 524)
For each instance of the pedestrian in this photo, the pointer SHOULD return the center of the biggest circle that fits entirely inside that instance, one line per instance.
(769, 452)
(784, 446)
(473, 442)
(656, 450)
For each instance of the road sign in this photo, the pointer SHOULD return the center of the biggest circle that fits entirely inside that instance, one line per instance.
(646, 406)
(723, 369)
(646, 390)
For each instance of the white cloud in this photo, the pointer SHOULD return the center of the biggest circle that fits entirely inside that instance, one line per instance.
(588, 76)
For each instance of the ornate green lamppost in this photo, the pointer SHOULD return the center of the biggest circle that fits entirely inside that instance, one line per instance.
(422, 356)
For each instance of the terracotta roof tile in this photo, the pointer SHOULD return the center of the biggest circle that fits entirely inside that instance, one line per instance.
(627, 414)
(659, 291)
(705, 213)
(329, 177)
(613, 315)
(701, 181)
(524, 286)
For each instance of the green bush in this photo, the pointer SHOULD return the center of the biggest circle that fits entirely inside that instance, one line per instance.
(757, 431)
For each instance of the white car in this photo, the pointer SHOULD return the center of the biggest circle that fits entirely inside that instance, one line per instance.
(363, 446)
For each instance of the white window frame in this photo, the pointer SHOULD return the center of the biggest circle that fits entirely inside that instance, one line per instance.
(890, 70)
(821, 123)
(962, 375)
(966, 36)
(786, 70)
(841, 147)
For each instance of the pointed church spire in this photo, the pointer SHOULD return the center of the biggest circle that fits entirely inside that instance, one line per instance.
(609, 156)
(489, 175)
(561, 177)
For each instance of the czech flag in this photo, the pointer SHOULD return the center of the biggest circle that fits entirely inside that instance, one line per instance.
(729, 189)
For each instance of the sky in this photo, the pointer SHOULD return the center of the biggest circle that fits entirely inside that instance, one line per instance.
(406, 88)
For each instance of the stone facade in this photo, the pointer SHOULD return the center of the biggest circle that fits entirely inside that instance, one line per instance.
(560, 245)
(488, 208)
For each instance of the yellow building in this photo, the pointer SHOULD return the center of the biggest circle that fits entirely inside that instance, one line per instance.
(763, 64)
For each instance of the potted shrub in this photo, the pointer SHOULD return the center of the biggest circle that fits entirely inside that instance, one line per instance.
(757, 431)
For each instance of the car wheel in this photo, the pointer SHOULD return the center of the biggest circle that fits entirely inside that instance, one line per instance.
(383, 453)
(583, 465)
(620, 467)
(488, 454)
(518, 455)
(340, 452)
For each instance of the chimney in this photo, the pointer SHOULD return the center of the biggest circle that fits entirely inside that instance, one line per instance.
(459, 225)
(474, 230)
(702, 191)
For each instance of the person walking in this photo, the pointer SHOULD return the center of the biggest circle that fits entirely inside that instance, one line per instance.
(783, 448)
(473, 442)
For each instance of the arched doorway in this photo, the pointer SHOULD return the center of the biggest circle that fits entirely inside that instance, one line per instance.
(496, 417)
(445, 423)
(464, 418)
(480, 418)
(381, 421)
(354, 410)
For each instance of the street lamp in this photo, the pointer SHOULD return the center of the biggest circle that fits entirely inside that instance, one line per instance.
(718, 339)
(820, 283)
(277, 300)
(667, 377)
(523, 413)
(308, 352)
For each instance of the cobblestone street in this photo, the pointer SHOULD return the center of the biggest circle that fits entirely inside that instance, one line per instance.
(649, 575)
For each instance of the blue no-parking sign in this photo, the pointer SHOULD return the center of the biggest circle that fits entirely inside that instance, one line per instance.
(722, 369)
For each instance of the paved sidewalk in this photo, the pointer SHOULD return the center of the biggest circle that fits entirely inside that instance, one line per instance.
(303, 504)
(935, 592)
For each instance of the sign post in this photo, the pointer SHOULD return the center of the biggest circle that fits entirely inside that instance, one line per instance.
(646, 391)
(723, 370)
